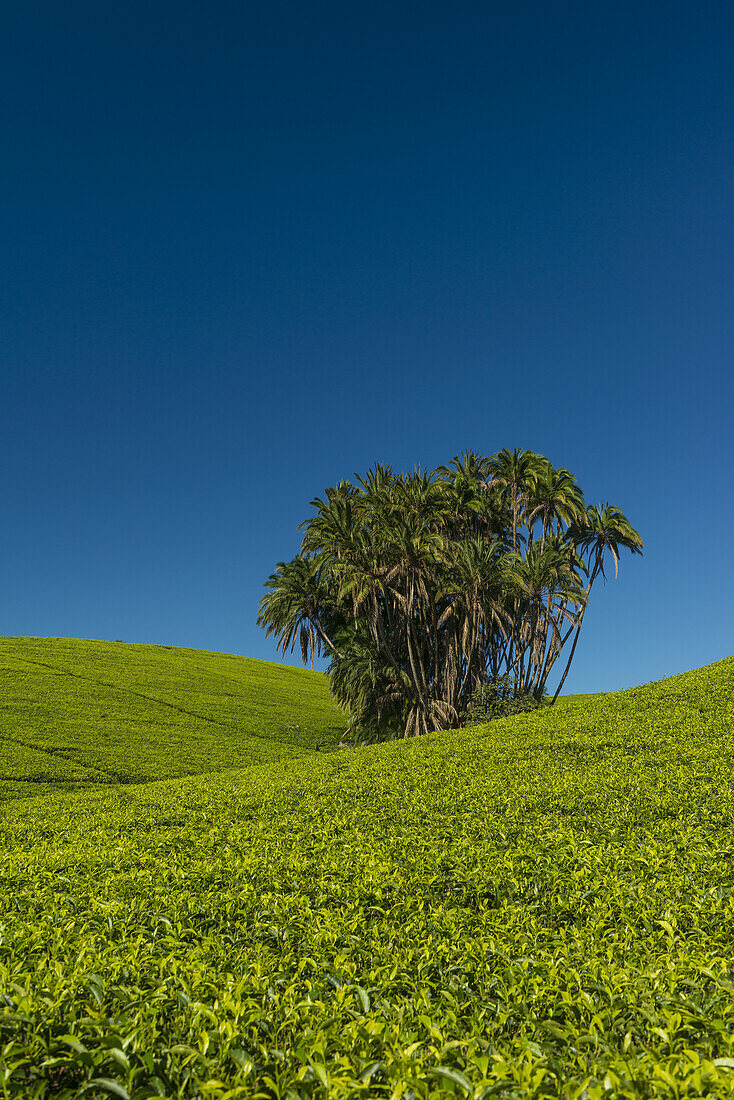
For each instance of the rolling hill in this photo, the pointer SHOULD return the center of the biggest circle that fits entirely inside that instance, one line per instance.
(78, 714)
(540, 907)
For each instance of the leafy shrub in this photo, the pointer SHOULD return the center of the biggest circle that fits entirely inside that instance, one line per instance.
(498, 698)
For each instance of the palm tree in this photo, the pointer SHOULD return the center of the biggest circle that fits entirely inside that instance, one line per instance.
(602, 530)
(555, 498)
(331, 530)
(516, 472)
(293, 609)
(364, 683)
(421, 587)
(475, 597)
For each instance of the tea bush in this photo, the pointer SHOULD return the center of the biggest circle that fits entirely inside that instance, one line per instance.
(538, 907)
(79, 714)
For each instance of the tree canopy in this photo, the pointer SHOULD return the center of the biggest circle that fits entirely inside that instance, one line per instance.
(422, 588)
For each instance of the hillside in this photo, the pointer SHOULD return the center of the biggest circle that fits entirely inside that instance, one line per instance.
(77, 714)
(540, 907)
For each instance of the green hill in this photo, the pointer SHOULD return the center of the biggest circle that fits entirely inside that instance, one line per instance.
(539, 907)
(76, 714)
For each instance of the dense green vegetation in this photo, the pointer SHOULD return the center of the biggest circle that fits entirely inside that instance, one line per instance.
(77, 714)
(538, 907)
(426, 590)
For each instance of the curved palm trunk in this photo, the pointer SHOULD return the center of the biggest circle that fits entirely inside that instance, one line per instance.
(568, 663)
(594, 574)
(325, 638)
(557, 643)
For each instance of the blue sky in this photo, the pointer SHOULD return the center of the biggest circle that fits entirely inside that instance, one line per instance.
(251, 248)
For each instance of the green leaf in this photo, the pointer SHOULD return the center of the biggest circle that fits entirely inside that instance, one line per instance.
(366, 1074)
(114, 1088)
(454, 1075)
(73, 1042)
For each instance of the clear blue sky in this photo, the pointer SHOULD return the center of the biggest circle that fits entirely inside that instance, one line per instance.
(251, 248)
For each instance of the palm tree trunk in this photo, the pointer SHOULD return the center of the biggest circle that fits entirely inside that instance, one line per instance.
(419, 682)
(594, 573)
(554, 648)
(570, 658)
(324, 636)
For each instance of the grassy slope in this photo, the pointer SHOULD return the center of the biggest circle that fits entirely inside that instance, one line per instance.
(539, 907)
(76, 714)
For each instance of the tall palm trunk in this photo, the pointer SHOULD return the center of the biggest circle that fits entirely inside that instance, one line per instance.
(594, 572)
(418, 680)
(570, 658)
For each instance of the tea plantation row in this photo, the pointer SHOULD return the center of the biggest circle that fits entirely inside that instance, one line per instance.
(541, 907)
(79, 714)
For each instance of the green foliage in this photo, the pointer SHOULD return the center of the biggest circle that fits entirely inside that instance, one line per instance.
(540, 907)
(79, 714)
(419, 586)
(498, 698)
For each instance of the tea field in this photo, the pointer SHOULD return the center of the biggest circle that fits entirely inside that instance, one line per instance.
(80, 714)
(539, 907)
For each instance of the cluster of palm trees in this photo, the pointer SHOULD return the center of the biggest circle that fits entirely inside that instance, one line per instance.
(424, 587)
